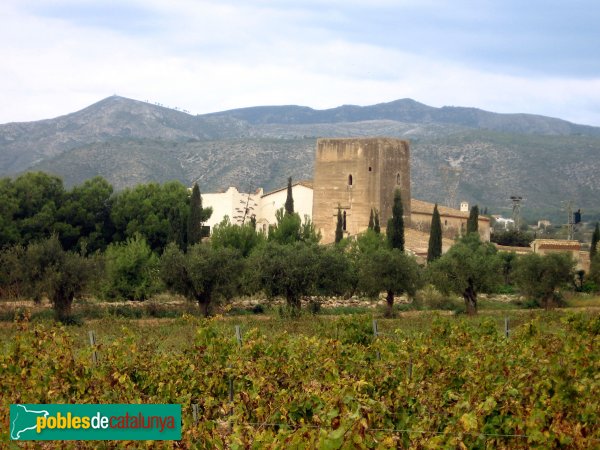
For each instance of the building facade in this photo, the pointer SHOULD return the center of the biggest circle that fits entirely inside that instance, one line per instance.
(356, 176)
(270, 202)
(241, 207)
(454, 221)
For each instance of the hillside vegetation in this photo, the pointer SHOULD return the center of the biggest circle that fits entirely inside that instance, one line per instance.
(545, 160)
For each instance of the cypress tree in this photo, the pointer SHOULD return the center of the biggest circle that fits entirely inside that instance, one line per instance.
(376, 227)
(473, 221)
(435, 237)
(395, 225)
(195, 218)
(289, 201)
(594, 244)
(339, 232)
(371, 220)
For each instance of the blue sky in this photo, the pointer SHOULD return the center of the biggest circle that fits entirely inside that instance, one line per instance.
(540, 57)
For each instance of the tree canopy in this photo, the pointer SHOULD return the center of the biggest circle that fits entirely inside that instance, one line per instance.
(395, 225)
(203, 274)
(434, 250)
(539, 276)
(468, 268)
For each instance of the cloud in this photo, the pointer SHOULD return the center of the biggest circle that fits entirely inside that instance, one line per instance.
(208, 56)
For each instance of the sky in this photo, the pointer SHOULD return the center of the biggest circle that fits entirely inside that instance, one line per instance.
(508, 56)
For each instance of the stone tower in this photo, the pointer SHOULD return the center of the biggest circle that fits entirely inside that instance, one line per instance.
(358, 175)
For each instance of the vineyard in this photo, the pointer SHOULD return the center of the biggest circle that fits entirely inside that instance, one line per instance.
(324, 382)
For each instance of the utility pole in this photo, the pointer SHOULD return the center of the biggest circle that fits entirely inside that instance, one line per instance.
(570, 225)
(516, 207)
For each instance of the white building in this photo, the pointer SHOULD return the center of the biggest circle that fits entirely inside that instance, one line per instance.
(270, 202)
(241, 207)
(503, 222)
(238, 206)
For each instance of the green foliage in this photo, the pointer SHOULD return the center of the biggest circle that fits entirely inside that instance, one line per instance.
(395, 225)
(594, 275)
(469, 267)
(388, 270)
(367, 242)
(297, 389)
(371, 220)
(473, 220)
(60, 275)
(289, 201)
(430, 298)
(336, 274)
(290, 229)
(376, 227)
(131, 270)
(539, 276)
(157, 212)
(84, 216)
(339, 231)
(204, 274)
(13, 282)
(9, 206)
(595, 240)
(434, 251)
(512, 238)
(197, 216)
(243, 238)
(508, 265)
(291, 271)
(38, 197)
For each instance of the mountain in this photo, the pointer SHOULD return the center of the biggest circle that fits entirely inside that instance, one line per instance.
(410, 111)
(490, 156)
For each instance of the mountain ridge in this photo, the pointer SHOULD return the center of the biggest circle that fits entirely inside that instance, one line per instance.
(130, 141)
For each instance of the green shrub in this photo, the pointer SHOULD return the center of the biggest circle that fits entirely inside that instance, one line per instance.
(131, 270)
(430, 298)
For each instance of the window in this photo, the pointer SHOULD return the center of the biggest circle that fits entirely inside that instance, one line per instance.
(350, 180)
(344, 222)
(370, 168)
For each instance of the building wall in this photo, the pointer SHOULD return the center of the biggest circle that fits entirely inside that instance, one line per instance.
(452, 226)
(358, 175)
(272, 201)
(231, 203)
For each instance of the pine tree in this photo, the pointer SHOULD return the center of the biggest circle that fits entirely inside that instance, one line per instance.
(289, 202)
(339, 232)
(371, 220)
(594, 244)
(435, 237)
(395, 225)
(376, 227)
(473, 221)
(195, 218)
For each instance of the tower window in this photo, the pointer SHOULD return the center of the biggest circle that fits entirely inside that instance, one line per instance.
(398, 180)
(344, 220)
(370, 168)
(350, 180)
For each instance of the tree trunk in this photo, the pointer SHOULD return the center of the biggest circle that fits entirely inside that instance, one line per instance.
(389, 312)
(62, 305)
(470, 297)
(204, 303)
(294, 304)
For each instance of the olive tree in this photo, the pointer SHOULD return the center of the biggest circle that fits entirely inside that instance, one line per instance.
(468, 268)
(389, 270)
(203, 274)
(539, 276)
(49, 270)
(288, 270)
